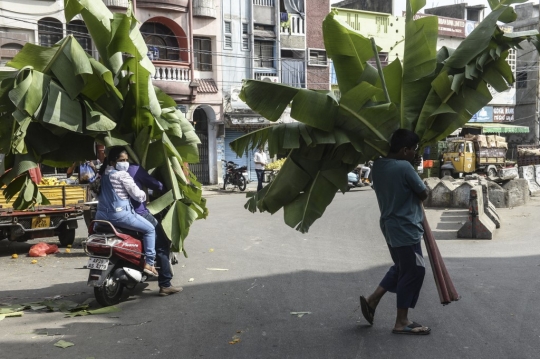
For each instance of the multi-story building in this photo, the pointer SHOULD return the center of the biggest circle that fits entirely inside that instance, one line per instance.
(388, 32)
(181, 37)
(527, 75)
(269, 40)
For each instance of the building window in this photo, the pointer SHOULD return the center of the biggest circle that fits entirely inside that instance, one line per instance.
(263, 53)
(161, 42)
(8, 52)
(78, 29)
(521, 80)
(202, 53)
(245, 37)
(50, 31)
(227, 33)
(317, 57)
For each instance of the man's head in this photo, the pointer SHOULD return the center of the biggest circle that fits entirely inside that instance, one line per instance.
(403, 144)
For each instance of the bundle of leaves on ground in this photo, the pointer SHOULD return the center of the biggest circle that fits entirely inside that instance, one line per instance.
(430, 92)
(58, 101)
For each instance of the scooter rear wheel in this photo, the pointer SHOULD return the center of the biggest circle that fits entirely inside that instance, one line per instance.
(110, 291)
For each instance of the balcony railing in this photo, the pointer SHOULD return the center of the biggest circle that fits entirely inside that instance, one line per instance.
(172, 73)
(263, 2)
(297, 26)
(262, 75)
(117, 3)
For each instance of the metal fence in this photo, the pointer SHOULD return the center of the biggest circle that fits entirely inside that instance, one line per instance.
(263, 2)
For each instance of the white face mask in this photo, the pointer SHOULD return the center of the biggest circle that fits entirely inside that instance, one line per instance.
(122, 166)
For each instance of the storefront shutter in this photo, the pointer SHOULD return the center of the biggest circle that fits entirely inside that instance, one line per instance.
(245, 160)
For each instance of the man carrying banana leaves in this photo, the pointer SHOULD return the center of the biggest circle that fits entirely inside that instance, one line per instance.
(400, 193)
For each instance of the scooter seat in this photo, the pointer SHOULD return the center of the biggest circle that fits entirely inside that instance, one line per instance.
(105, 228)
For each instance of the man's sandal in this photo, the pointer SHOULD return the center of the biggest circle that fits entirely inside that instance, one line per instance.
(367, 311)
(413, 329)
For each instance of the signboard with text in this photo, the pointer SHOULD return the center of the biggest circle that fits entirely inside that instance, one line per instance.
(447, 25)
(484, 115)
(503, 114)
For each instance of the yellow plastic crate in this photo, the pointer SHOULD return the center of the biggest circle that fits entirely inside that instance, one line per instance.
(74, 194)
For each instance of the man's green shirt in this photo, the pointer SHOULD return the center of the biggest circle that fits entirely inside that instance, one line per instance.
(396, 185)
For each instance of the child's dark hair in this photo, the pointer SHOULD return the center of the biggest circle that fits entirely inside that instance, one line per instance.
(114, 154)
(403, 138)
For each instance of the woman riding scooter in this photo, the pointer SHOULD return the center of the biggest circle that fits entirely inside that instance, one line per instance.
(116, 187)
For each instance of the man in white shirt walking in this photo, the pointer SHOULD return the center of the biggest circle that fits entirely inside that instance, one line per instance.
(260, 160)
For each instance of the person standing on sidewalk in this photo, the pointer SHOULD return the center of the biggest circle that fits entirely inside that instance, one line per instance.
(163, 246)
(400, 193)
(261, 161)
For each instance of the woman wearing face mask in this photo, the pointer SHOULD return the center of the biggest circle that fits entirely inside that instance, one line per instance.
(116, 188)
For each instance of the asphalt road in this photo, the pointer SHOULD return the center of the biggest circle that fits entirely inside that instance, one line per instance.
(272, 271)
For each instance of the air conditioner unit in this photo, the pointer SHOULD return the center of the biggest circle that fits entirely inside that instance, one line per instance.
(270, 79)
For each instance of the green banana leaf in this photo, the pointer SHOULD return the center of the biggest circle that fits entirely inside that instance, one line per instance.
(57, 102)
(430, 92)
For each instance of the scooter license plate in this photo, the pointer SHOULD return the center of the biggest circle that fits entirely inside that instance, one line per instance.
(97, 263)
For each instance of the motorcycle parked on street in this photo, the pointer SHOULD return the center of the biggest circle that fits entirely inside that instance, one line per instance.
(234, 175)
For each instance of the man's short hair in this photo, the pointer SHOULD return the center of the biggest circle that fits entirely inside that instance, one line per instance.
(403, 138)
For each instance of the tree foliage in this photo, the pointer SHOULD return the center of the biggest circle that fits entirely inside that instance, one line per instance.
(430, 92)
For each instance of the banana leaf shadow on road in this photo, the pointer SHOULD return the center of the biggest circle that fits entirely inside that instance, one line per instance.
(202, 320)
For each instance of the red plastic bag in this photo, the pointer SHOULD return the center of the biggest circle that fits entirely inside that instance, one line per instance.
(42, 249)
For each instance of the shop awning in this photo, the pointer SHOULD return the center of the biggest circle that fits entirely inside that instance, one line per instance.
(498, 128)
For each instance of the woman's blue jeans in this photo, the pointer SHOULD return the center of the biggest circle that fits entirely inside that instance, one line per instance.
(135, 222)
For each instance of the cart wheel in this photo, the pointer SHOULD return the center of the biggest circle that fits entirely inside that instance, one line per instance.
(66, 236)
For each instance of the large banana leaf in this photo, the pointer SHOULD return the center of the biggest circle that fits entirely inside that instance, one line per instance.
(57, 102)
(428, 91)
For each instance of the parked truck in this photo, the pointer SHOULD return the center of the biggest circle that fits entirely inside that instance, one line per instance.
(475, 154)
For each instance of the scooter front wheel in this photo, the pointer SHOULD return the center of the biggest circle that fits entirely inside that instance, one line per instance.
(110, 292)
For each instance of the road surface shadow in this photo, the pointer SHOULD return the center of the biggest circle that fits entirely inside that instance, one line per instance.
(205, 319)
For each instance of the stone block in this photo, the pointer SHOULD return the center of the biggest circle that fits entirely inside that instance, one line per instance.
(528, 173)
(461, 195)
(441, 195)
(491, 212)
(517, 192)
(471, 177)
(537, 174)
(478, 225)
(508, 173)
(496, 195)
(448, 178)
(431, 182)
(514, 198)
